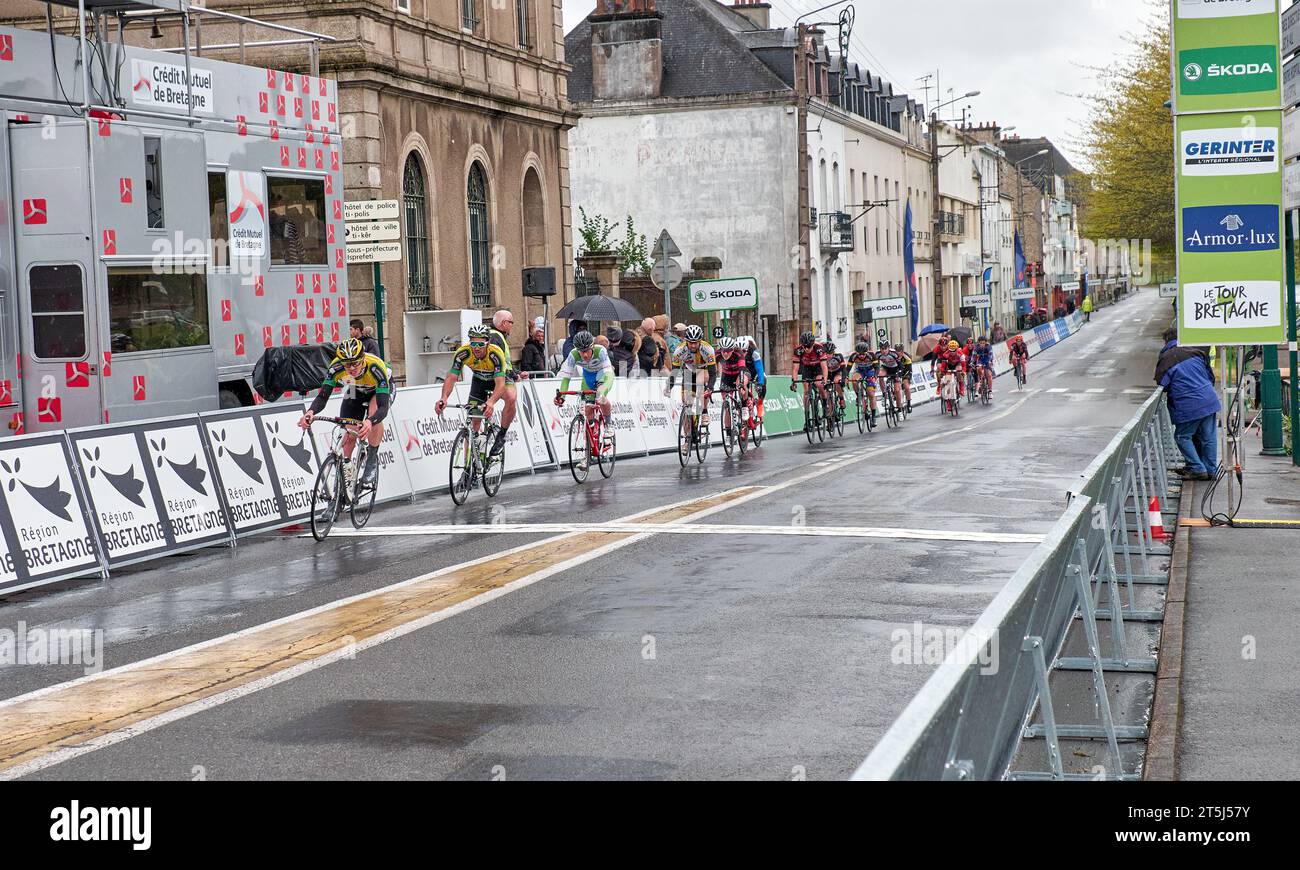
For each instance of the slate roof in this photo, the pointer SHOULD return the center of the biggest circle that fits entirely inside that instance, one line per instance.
(705, 53)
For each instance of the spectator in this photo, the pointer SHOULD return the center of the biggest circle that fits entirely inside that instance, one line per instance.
(357, 329)
(999, 334)
(649, 354)
(661, 339)
(620, 350)
(1087, 309)
(534, 359)
(1188, 381)
(1069, 305)
(575, 326)
(602, 341)
(675, 338)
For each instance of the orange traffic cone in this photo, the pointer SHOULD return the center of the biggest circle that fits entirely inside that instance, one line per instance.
(1155, 521)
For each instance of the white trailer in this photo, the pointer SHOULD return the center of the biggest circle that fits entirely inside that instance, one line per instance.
(163, 219)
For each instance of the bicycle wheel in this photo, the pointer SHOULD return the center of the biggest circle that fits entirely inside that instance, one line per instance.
(494, 467)
(608, 447)
(363, 502)
(729, 432)
(462, 466)
(828, 413)
(986, 392)
(758, 433)
(822, 408)
(861, 405)
(326, 497)
(809, 415)
(684, 430)
(891, 417)
(702, 442)
(579, 452)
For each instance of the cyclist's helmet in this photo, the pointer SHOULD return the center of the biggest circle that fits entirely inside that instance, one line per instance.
(863, 347)
(830, 347)
(583, 340)
(693, 333)
(350, 351)
(727, 343)
(953, 345)
(480, 332)
(806, 339)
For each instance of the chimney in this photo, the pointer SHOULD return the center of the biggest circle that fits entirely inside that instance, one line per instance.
(626, 50)
(758, 12)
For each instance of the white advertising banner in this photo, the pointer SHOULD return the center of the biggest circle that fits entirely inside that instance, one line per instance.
(529, 416)
(186, 486)
(246, 198)
(157, 85)
(658, 417)
(625, 403)
(393, 480)
(127, 514)
(293, 459)
(246, 474)
(45, 529)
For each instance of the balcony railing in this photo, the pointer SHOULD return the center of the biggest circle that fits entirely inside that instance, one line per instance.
(952, 224)
(836, 232)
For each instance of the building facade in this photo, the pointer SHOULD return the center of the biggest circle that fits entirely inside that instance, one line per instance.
(455, 108)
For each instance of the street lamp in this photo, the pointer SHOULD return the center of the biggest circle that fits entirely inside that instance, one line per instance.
(937, 251)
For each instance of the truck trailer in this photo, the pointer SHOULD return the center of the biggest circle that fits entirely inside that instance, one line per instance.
(164, 218)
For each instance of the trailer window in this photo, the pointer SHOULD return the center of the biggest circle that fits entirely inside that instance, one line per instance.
(152, 311)
(153, 191)
(58, 311)
(297, 221)
(218, 220)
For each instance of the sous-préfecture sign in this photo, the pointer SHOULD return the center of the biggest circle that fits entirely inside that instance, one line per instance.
(1228, 95)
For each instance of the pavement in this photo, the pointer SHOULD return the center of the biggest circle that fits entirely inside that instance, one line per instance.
(764, 644)
(1240, 696)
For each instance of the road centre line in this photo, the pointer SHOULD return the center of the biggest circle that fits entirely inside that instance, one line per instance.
(55, 724)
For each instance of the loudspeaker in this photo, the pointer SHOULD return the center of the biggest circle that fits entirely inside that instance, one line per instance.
(540, 281)
(863, 315)
(968, 312)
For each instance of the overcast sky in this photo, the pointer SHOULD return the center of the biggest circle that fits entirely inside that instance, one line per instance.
(1028, 58)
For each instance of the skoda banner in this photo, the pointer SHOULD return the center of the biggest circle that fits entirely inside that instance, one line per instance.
(1227, 132)
(723, 294)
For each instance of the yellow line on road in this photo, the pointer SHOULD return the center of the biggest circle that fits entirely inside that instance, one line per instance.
(54, 724)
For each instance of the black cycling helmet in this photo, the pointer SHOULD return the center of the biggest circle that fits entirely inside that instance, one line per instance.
(583, 340)
(862, 347)
(806, 338)
(350, 351)
(829, 347)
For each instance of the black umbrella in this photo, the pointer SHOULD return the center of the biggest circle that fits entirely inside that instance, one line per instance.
(597, 307)
(959, 334)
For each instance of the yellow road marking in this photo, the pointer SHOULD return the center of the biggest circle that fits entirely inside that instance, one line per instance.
(70, 715)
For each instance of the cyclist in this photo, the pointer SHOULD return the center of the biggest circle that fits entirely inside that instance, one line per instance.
(735, 373)
(1019, 355)
(904, 375)
(368, 392)
(754, 363)
(597, 371)
(863, 366)
(488, 365)
(810, 366)
(982, 357)
(953, 362)
(697, 360)
(967, 350)
(891, 366)
(835, 371)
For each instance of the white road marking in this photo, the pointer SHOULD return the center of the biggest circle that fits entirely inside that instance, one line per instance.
(1056, 374)
(694, 529)
(275, 679)
(1095, 390)
(1059, 390)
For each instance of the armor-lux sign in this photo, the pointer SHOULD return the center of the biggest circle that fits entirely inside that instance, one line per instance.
(163, 86)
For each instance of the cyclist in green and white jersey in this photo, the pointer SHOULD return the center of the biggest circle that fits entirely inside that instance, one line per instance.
(597, 372)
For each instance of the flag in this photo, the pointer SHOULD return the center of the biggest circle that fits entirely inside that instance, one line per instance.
(909, 270)
(1022, 305)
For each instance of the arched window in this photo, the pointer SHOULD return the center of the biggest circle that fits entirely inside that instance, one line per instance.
(417, 235)
(479, 244)
(534, 220)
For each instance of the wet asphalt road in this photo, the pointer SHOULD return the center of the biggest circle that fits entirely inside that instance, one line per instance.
(677, 656)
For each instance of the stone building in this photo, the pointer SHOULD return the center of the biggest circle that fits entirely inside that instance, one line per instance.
(458, 108)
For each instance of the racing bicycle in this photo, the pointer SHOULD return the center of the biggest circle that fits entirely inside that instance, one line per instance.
(340, 481)
(470, 461)
(590, 437)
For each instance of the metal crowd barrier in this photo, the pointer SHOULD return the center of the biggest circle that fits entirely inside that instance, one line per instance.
(968, 720)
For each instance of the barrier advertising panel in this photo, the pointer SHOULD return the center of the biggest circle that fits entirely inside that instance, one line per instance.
(264, 486)
(187, 489)
(123, 494)
(43, 519)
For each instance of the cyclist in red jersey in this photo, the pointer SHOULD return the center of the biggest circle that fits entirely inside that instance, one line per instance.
(810, 365)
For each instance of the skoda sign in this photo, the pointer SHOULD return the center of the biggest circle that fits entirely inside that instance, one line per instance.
(723, 294)
(1241, 69)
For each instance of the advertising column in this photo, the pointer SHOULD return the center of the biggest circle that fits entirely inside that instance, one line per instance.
(1228, 169)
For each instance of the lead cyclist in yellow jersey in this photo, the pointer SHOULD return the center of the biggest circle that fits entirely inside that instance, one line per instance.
(367, 386)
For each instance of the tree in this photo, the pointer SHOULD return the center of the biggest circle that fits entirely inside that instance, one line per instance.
(1130, 138)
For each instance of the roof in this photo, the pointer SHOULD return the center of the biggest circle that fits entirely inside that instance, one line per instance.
(705, 53)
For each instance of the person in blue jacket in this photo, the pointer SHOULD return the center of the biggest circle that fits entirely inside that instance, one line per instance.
(1188, 381)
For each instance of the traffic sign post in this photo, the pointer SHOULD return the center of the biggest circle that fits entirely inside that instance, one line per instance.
(372, 234)
(666, 274)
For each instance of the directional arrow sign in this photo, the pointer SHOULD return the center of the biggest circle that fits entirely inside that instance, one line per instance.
(372, 231)
(664, 247)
